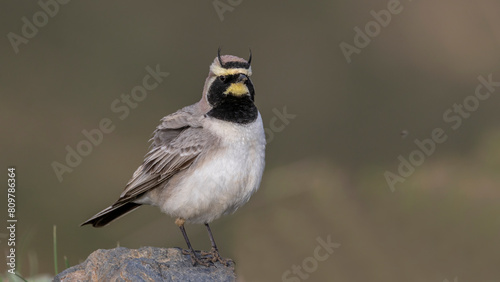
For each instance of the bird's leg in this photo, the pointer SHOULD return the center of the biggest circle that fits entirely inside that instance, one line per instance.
(215, 252)
(194, 258)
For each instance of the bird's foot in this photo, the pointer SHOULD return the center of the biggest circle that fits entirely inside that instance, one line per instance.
(195, 260)
(214, 256)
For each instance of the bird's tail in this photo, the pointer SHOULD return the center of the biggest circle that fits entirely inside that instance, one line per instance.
(111, 213)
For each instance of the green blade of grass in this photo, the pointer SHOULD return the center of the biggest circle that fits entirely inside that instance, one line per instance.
(55, 250)
(20, 277)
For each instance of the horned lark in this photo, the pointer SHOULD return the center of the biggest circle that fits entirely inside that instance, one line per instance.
(206, 159)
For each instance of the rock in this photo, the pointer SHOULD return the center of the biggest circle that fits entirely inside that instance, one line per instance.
(144, 264)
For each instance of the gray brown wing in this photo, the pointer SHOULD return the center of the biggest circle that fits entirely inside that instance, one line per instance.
(177, 143)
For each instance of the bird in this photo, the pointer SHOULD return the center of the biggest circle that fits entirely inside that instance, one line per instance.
(205, 160)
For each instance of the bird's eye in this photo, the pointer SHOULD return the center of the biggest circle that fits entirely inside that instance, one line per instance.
(222, 78)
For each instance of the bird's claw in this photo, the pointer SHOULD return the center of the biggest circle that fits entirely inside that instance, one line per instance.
(214, 256)
(195, 260)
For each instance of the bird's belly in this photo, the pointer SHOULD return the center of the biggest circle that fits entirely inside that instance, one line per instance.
(218, 185)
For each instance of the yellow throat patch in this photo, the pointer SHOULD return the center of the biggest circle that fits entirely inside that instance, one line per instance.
(237, 89)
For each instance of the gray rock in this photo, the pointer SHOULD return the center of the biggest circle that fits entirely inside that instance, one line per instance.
(144, 264)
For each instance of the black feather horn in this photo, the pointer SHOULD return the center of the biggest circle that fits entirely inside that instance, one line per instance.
(250, 57)
(218, 56)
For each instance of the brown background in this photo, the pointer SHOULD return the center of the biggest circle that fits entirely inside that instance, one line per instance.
(325, 169)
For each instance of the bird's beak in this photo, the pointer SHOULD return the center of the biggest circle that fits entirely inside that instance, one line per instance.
(242, 78)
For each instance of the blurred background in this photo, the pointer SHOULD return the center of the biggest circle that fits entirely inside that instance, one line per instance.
(340, 122)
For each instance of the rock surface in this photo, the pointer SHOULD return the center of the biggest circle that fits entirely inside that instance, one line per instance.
(144, 264)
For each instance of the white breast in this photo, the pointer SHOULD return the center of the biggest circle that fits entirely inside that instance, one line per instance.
(225, 180)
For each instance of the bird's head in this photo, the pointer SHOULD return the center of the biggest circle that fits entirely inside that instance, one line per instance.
(229, 76)
(228, 85)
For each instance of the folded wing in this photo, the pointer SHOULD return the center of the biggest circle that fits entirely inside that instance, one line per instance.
(177, 143)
